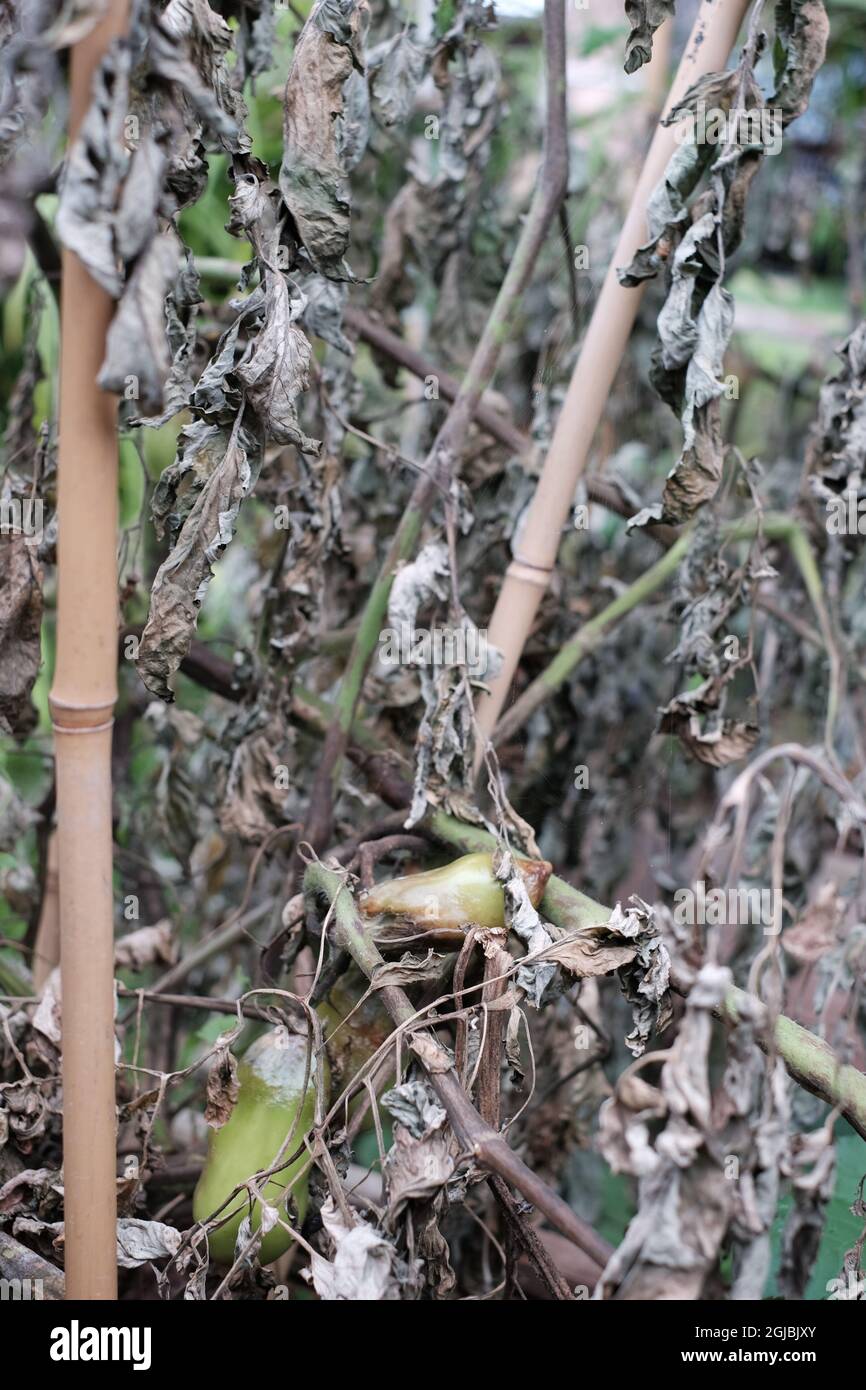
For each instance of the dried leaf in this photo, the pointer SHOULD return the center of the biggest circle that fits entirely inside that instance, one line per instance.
(646, 978)
(362, 1269)
(417, 1168)
(254, 801)
(223, 1087)
(394, 68)
(722, 742)
(588, 953)
(644, 16)
(317, 136)
(139, 1242)
(48, 1015)
(222, 465)
(32, 1187)
(96, 167)
(811, 1163)
(415, 1107)
(146, 946)
(20, 632)
(137, 347)
(408, 970)
(802, 31)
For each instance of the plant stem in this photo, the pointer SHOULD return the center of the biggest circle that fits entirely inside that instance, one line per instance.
(809, 1060)
(774, 525)
(589, 636)
(488, 1148)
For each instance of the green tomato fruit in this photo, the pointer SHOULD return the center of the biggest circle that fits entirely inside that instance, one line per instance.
(460, 894)
(271, 1077)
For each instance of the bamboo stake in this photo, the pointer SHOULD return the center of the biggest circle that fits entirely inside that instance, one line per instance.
(658, 73)
(708, 48)
(82, 706)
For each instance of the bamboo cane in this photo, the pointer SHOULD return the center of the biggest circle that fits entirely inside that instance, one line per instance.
(658, 73)
(708, 48)
(82, 705)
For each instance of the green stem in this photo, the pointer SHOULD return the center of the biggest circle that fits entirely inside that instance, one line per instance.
(488, 1148)
(589, 636)
(808, 1059)
(774, 525)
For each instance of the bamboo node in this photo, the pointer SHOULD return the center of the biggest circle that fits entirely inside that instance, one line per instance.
(67, 717)
(527, 573)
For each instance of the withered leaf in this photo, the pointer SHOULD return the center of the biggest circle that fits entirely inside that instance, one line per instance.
(724, 741)
(316, 130)
(589, 952)
(222, 465)
(137, 346)
(802, 31)
(254, 799)
(92, 178)
(408, 970)
(362, 1269)
(146, 946)
(20, 631)
(223, 1088)
(417, 1169)
(180, 307)
(415, 1107)
(645, 16)
(811, 1163)
(139, 1242)
(666, 209)
(646, 978)
(395, 67)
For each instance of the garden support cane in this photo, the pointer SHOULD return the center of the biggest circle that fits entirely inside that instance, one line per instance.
(709, 46)
(82, 705)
